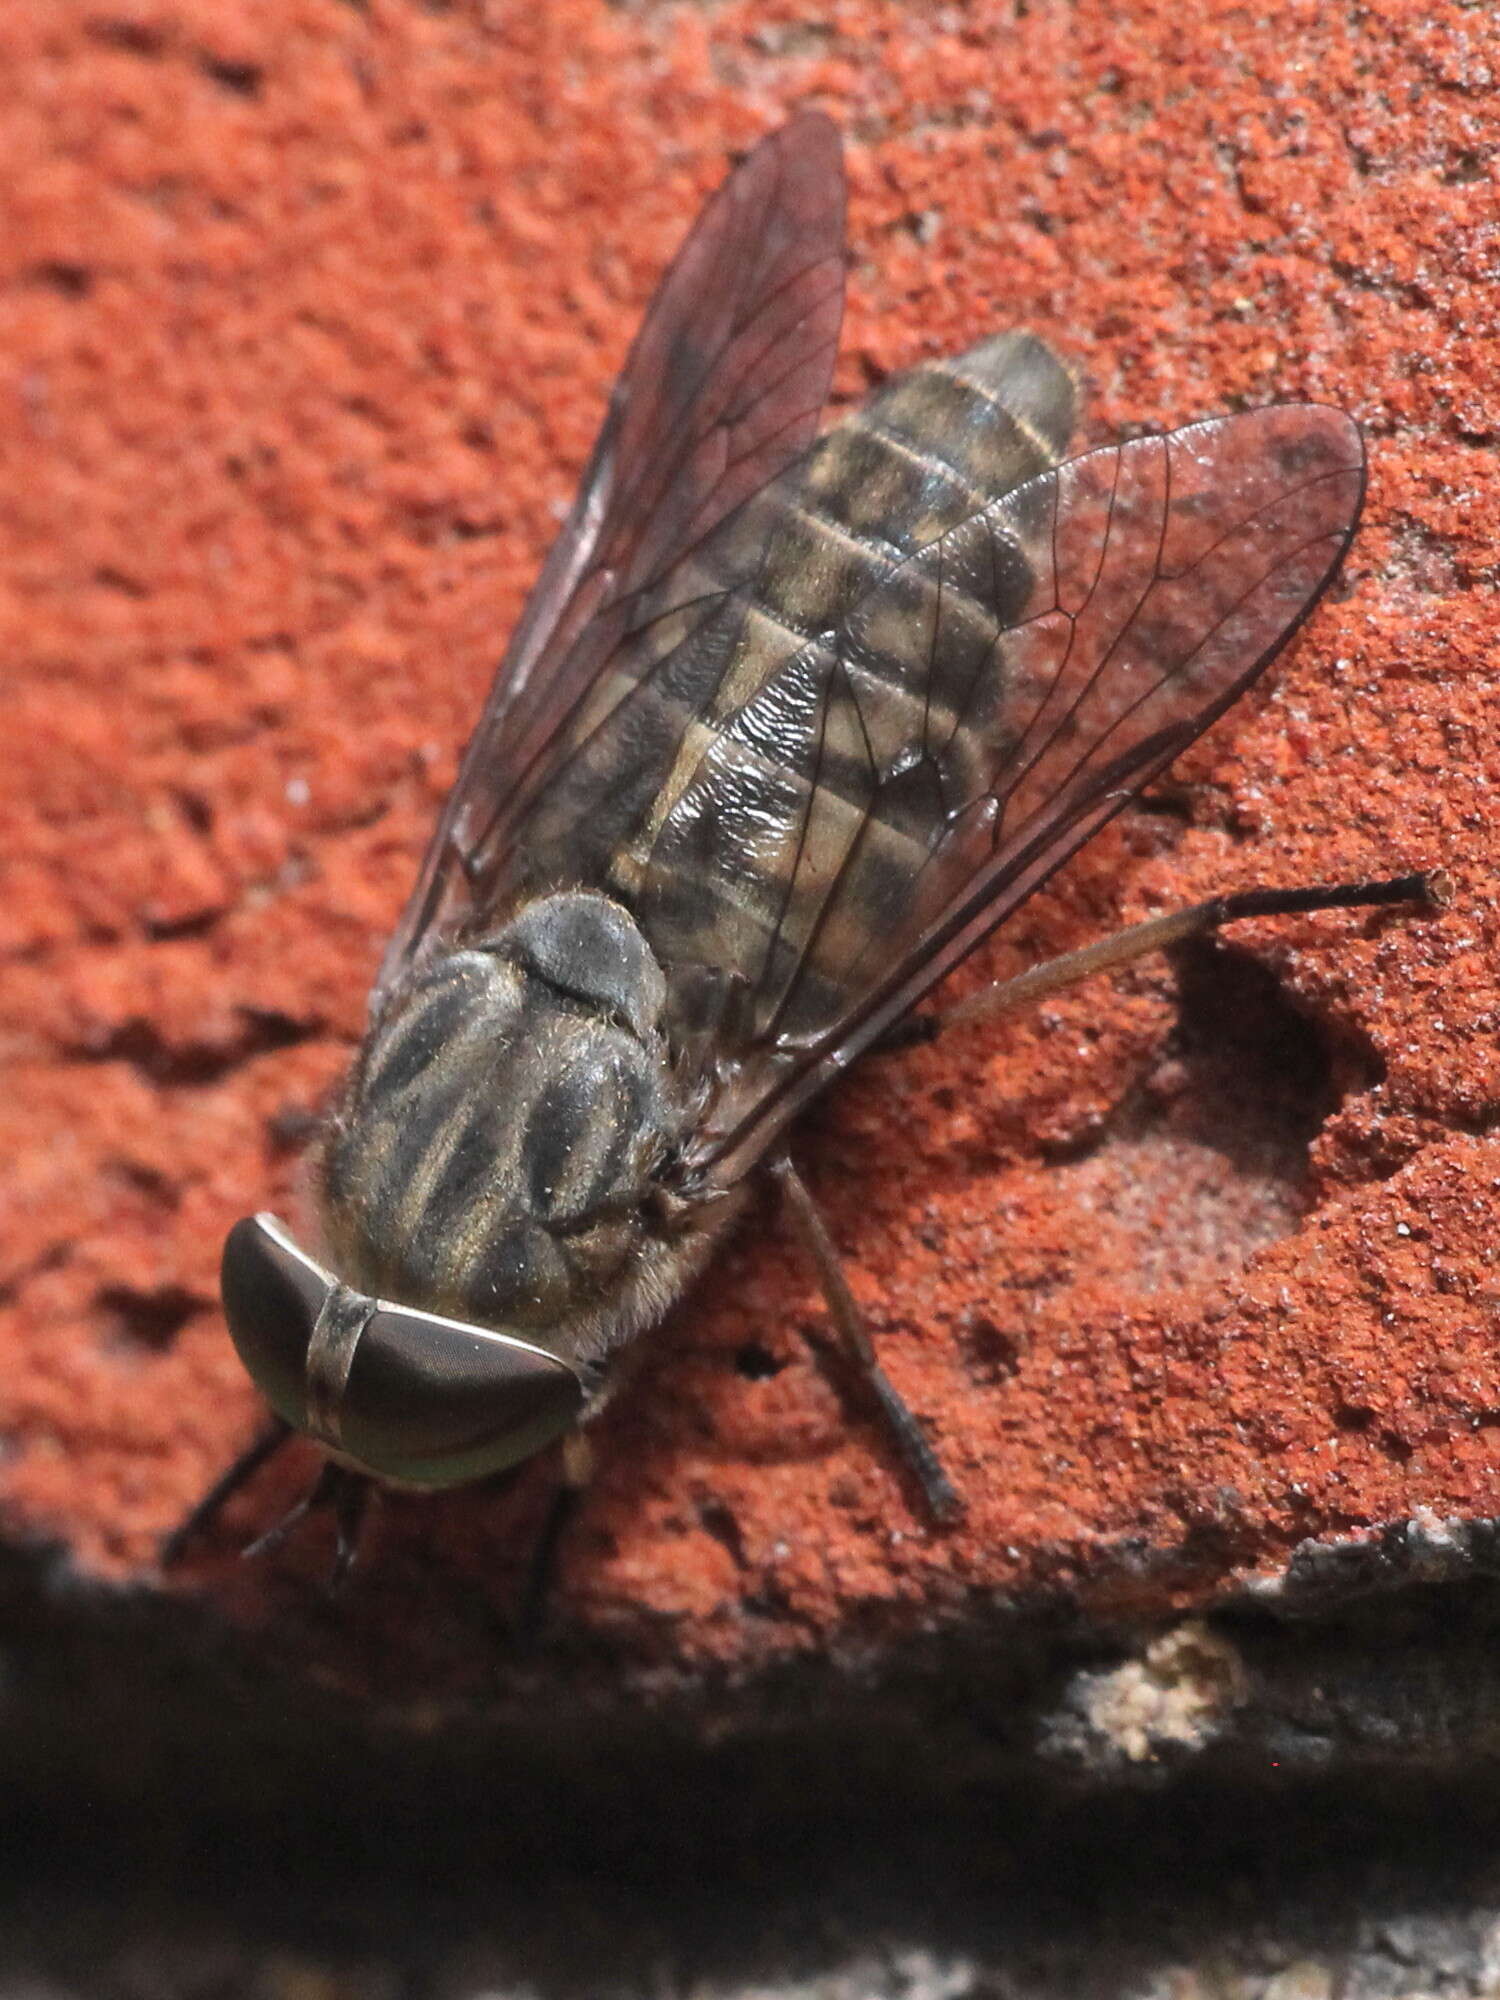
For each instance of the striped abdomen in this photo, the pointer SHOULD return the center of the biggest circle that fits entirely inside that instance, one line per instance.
(931, 448)
(803, 802)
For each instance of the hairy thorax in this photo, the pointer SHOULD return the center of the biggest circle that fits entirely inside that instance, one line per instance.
(503, 1151)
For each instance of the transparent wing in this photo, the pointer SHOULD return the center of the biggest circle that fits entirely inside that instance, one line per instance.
(854, 824)
(722, 390)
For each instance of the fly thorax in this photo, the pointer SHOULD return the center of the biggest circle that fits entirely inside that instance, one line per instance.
(496, 1153)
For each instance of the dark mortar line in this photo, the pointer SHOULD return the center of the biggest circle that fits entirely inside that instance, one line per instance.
(1112, 1889)
(119, 1701)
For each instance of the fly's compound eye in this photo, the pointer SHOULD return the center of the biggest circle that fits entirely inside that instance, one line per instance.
(406, 1395)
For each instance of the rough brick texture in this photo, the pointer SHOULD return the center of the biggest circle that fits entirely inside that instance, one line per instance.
(307, 314)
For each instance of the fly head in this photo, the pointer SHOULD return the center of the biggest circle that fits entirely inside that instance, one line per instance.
(404, 1394)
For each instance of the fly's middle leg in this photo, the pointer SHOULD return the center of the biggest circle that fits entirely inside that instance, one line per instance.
(937, 1489)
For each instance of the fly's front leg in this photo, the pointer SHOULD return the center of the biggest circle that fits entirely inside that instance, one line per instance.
(1425, 891)
(575, 1472)
(937, 1488)
(340, 1491)
(262, 1447)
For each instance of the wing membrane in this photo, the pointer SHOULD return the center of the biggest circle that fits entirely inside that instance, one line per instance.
(819, 828)
(723, 390)
(883, 800)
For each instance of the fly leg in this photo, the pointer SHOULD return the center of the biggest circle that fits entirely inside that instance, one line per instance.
(350, 1505)
(937, 1489)
(346, 1495)
(262, 1447)
(575, 1472)
(1428, 891)
(1156, 934)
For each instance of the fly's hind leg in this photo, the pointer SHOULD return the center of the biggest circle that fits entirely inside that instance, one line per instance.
(937, 1489)
(1157, 934)
(1425, 891)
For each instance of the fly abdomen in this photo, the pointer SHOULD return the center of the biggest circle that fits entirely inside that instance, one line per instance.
(931, 447)
(893, 734)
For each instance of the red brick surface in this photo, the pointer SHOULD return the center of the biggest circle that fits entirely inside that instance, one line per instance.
(307, 312)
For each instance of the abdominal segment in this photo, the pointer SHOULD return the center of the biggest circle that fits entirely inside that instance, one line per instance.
(891, 739)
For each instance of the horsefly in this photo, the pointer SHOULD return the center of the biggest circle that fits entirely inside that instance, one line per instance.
(789, 725)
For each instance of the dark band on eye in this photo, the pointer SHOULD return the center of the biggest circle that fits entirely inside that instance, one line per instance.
(342, 1318)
